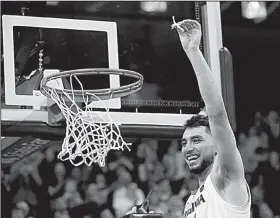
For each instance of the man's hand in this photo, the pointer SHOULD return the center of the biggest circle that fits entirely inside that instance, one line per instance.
(190, 34)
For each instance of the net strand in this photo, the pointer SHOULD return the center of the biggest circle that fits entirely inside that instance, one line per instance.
(88, 137)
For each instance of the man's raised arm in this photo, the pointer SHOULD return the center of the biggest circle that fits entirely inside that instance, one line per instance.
(228, 161)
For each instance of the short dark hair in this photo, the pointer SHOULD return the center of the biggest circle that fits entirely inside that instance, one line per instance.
(197, 121)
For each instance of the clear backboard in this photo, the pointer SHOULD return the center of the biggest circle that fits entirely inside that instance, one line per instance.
(142, 42)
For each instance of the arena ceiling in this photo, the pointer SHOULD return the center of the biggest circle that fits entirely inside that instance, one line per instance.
(231, 11)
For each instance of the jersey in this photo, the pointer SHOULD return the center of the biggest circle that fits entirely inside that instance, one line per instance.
(207, 203)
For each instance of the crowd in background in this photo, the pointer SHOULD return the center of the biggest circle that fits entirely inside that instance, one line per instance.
(43, 187)
(260, 149)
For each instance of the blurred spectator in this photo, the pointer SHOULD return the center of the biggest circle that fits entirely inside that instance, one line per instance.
(89, 173)
(95, 203)
(57, 187)
(20, 210)
(106, 213)
(260, 208)
(264, 140)
(127, 194)
(142, 173)
(100, 193)
(71, 195)
(253, 139)
(261, 155)
(151, 150)
(269, 174)
(155, 172)
(96, 195)
(190, 184)
(140, 153)
(120, 159)
(265, 211)
(60, 208)
(174, 164)
(259, 123)
(6, 200)
(73, 188)
(273, 123)
(242, 142)
(24, 179)
(175, 207)
(164, 192)
(86, 173)
(156, 204)
(271, 182)
(46, 167)
(117, 159)
(149, 169)
(247, 152)
(164, 189)
(262, 152)
(47, 175)
(100, 181)
(274, 130)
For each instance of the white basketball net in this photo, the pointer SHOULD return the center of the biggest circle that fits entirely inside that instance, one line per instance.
(88, 140)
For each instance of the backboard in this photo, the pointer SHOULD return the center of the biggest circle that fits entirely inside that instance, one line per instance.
(142, 41)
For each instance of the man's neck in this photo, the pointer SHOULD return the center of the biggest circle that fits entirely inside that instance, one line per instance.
(202, 177)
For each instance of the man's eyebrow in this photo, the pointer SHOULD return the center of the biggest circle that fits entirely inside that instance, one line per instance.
(183, 141)
(191, 138)
(196, 137)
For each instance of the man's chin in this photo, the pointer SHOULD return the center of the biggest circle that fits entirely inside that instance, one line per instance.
(196, 170)
(197, 167)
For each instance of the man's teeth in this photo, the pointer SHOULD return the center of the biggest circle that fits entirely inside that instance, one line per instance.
(193, 157)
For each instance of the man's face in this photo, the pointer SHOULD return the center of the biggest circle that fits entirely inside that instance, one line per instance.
(198, 149)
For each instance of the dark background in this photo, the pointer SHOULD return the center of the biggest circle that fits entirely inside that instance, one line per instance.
(255, 52)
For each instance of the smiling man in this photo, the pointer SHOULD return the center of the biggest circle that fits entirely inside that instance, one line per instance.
(209, 145)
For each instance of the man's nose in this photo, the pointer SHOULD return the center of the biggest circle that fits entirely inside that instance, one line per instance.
(190, 149)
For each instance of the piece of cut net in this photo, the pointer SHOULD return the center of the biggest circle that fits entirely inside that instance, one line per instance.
(88, 139)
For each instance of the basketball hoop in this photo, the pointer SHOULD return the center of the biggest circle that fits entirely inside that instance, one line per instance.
(88, 137)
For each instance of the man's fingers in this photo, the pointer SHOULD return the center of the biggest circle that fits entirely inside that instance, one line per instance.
(190, 24)
(185, 25)
(180, 29)
(176, 25)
